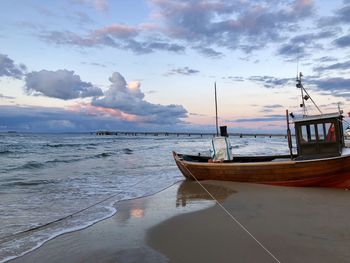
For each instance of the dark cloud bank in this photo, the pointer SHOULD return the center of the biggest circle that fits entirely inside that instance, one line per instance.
(121, 107)
(46, 119)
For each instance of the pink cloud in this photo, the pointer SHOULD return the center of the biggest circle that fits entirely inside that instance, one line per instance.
(101, 111)
(117, 30)
(99, 5)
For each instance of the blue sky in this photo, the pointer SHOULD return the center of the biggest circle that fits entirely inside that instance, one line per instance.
(85, 65)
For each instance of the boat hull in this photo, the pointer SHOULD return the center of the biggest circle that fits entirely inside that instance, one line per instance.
(327, 172)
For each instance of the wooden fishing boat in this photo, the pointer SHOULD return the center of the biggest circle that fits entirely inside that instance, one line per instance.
(274, 170)
(321, 159)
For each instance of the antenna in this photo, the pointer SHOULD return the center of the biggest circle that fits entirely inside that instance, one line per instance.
(297, 67)
(216, 112)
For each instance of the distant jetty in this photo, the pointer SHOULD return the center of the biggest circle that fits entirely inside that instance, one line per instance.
(201, 134)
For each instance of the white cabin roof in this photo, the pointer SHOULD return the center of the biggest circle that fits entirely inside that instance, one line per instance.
(319, 117)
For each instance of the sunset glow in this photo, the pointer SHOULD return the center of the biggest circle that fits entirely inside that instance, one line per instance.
(152, 65)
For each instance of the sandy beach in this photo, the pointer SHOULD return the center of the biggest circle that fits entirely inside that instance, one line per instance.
(183, 224)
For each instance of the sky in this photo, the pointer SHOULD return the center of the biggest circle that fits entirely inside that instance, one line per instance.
(151, 65)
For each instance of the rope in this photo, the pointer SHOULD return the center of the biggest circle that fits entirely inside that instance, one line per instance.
(233, 218)
(6, 238)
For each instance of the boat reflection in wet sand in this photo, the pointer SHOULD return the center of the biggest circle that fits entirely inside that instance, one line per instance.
(189, 192)
(321, 159)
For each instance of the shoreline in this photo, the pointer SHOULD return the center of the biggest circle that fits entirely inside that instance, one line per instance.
(181, 224)
(124, 211)
(111, 206)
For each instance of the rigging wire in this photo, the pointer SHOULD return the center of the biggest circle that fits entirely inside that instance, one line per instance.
(233, 218)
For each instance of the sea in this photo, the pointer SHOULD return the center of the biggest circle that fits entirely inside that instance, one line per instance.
(52, 184)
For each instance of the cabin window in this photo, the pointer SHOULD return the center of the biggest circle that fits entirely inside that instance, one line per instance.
(330, 129)
(308, 133)
(321, 131)
(325, 132)
(312, 135)
(304, 136)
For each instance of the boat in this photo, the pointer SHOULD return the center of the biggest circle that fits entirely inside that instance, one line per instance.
(321, 158)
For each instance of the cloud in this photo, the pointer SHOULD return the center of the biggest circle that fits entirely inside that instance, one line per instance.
(208, 52)
(236, 78)
(326, 59)
(197, 114)
(343, 41)
(2, 96)
(265, 81)
(302, 45)
(149, 47)
(229, 24)
(129, 99)
(79, 118)
(50, 119)
(9, 69)
(117, 31)
(83, 18)
(271, 82)
(183, 71)
(61, 84)
(291, 50)
(117, 36)
(341, 16)
(94, 64)
(99, 5)
(339, 87)
(338, 66)
(267, 118)
(271, 108)
(204, 26)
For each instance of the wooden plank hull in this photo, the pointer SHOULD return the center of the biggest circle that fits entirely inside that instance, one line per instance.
(327, 172)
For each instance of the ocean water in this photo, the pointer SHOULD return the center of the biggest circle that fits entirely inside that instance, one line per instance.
(56, 183)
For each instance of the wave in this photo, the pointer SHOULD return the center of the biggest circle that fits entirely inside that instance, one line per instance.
(127, 151)
(155, 147)
(32, 165)
(64, 160)
(102, 155)
(30, 183)
(37, 165)
(60, 145)
(3, 152)
(16, 244)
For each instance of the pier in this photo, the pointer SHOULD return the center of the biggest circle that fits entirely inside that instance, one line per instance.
(187, 134)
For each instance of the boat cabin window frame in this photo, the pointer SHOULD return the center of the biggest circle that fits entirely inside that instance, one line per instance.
(319, 137)
(318, 132)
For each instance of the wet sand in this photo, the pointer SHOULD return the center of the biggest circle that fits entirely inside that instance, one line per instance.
(183, 224)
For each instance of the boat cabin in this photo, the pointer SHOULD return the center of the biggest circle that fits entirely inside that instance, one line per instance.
(319, 136)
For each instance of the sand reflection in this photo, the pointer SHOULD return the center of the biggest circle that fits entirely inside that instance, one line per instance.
(137, 212)
(190, 191)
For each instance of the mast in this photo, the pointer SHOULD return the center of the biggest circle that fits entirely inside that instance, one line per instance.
(290, 145)
(300, 86)
(305, 97)
(216, 112)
